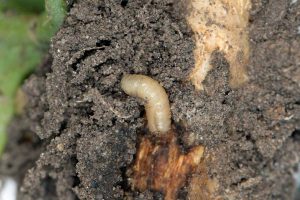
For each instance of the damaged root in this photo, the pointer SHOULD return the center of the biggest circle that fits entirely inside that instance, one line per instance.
(161, 166)
(220, 25)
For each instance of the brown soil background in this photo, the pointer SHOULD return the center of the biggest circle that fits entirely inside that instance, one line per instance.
(87, 127)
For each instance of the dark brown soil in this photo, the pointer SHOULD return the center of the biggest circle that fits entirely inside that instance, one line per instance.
(88, 126)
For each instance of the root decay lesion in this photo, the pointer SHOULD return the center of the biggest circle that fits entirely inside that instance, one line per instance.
(161, 166)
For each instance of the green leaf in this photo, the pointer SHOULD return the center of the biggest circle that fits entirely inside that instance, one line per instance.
(25, 6)
(23, 37)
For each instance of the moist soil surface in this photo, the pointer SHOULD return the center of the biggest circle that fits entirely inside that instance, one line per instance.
(78, 134)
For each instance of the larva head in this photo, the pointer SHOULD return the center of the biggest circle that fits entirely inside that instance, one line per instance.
(129, 85)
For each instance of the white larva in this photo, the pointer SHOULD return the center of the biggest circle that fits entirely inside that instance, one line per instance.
(157, 103)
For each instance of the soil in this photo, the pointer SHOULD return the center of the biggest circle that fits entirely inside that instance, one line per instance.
(87, 127)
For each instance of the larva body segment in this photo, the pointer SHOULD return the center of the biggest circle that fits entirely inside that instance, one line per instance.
(157, 103)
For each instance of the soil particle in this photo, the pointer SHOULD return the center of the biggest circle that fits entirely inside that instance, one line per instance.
(89, 126)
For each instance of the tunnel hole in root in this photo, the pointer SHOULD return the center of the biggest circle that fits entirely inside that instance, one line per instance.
(181, 132)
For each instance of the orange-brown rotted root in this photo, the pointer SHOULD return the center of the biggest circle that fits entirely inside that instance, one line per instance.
(220, 25)
(160, 165)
